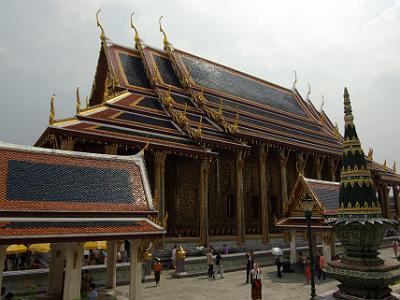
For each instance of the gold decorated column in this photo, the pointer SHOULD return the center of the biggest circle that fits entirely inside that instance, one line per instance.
(239, 161)
(203, 190)
(283, 158)
(396, 199)
(301, 161)
(333, 165)
(263, 153)
(159, 183)
(319, 164)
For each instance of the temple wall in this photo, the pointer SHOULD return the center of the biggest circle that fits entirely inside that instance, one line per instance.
(274, 194)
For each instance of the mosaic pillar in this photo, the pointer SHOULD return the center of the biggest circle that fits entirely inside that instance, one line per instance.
(396, 200)
(239, 161)
(73, 266)
(111, 281)
(283, 155)
(3, 249)
(203, 190)
(56, 271)
(319, 164)
(333, 165)
(263, 153)
(135, 271)
(159, 183)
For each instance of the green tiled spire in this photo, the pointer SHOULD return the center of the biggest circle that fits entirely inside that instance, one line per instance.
(357, 196)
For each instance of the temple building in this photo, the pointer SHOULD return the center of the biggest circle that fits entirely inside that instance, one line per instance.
(224, 148)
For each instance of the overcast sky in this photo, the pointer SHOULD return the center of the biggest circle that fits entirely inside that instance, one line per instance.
(49, 46)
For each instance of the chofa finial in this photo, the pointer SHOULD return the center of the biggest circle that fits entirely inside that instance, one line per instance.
(370, 154)
(102, 35)
(165, 42)
(295, 80)
(78, 101)
(322, 103)
(394, 167)
(52, 111)
(384, 165)
(308, 92)
(136, 32)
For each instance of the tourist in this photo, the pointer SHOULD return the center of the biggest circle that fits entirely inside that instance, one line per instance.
(3, 292)
(250, 264)
(308, 271)
(218, 265)
(85, 260)
(256, 285)
(321, 266)
(173, 258)
(316, 262)
(395, 246)
(210, 264)
(157, 267)
(92, 257)
(226, 249)
(278, 264)
(300, 260)
(93, 292)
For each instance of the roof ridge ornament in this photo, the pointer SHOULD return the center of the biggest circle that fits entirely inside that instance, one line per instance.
(295, 80)
(394, 167)
(370, 154)
(137, 40)
(165, 41)
(102, 34)
(52, 111)
(385, 165)
(308, 92)
(78, 101)
(322, 103)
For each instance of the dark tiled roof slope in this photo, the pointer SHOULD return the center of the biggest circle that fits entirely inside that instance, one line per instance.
(326, 192)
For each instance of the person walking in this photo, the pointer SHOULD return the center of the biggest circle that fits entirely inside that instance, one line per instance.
(250, 264)
(93, 292)
(219, 269)
(210, 264)
(278, 264)
(157, 267)
(395, 246)
(256, 284)
(173, 258)
(308, 271)
(322, 266)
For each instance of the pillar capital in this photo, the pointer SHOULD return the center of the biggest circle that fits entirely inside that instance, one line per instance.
(283, 157)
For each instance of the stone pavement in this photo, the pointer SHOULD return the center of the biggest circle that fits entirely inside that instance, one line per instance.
(291, 286)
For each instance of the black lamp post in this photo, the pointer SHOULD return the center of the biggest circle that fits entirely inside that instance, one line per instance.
(308, 205)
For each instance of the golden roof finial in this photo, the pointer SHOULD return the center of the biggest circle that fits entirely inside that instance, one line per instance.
(165, 42)
(394, 167)
(308, 92)
(78, 101)
(384, 165)
(322, 103)
(52, 111)
(295, 80)
(200, 123)
(220, 106)
(337, 134)
(370, 154)
(102, 35)
(137, 41)
(87, 101)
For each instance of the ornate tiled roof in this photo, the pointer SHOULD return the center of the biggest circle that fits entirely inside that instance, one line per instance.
(52, 194)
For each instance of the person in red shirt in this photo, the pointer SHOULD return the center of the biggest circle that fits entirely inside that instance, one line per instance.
(157, 267)
(322, 266)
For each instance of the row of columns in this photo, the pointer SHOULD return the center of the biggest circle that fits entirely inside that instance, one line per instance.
(383, 190)
(68, 282)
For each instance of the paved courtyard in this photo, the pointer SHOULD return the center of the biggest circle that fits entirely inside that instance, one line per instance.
(233, 286)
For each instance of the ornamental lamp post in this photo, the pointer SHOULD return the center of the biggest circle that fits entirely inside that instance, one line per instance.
(308, 206)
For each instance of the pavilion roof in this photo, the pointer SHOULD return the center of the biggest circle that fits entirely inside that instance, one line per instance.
(46, 193)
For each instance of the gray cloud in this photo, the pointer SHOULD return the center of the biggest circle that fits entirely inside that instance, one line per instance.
(52, 46)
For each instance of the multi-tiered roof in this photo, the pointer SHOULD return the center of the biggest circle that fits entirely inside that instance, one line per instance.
(183, 103)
